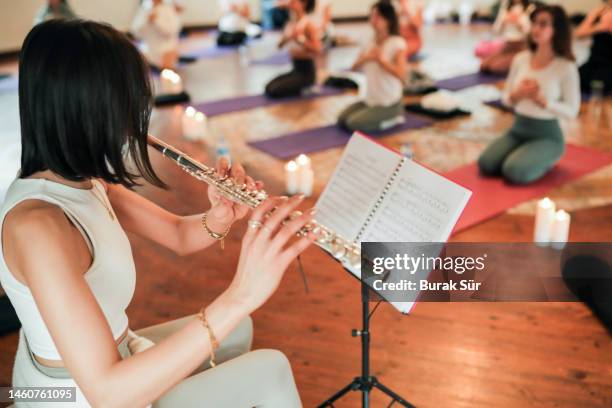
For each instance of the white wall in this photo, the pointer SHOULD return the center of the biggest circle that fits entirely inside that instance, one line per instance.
(16, 16)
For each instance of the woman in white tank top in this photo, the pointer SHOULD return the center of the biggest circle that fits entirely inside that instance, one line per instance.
(66, 262)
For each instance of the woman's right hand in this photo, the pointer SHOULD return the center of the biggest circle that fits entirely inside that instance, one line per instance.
(267, 251)
(528, 88)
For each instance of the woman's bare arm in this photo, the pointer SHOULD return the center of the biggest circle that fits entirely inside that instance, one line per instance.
(80, 331)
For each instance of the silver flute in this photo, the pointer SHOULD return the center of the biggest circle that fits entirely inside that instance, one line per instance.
(343, 250)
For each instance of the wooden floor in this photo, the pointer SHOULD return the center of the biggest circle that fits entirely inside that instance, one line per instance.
(442, 354)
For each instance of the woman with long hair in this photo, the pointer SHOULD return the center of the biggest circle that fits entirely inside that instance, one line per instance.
(303, 37)
(66, 264)
(597, 26)
(384, 63)
(542, 87)
(512, 24)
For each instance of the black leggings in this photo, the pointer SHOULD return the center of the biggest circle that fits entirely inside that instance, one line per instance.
(590, 279)
(225, 39)
(592, 71)
(303, 75)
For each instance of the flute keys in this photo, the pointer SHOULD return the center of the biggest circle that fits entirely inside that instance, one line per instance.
(338, 249)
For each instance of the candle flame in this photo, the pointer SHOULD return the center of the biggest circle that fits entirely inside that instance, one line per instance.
(171, 76)
(303, 160)
(291, 166)
(546, 202)
(200, 117)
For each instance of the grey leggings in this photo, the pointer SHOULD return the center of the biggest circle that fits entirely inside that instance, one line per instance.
(368, 119)
(526, 152)
(261, 378)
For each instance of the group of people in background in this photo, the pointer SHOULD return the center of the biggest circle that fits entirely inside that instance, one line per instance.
(534, 46)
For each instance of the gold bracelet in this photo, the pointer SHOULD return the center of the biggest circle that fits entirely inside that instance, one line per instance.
(214, 344)
(213, 234)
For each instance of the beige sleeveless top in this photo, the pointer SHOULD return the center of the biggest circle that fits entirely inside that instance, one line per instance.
(111, 276)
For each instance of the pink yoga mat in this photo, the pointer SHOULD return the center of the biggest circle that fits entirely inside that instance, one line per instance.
(492, 196)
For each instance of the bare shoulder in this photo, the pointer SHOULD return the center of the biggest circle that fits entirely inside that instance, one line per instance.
(32, 218)
(36, 227)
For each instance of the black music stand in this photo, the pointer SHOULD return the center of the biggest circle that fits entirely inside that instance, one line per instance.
(365, 382)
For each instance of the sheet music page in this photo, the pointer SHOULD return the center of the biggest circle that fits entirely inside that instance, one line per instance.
(421, 206)
(364, 170)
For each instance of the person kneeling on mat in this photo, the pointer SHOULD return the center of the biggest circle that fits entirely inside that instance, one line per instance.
(384, 64)
(542, 86)
(235, 25)
(158, 25)
(303, 36)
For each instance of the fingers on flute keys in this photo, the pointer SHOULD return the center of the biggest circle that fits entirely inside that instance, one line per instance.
(279, 214)
(290, 229)
(259, 217)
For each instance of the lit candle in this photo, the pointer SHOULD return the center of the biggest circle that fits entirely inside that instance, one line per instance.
(291, 177)
(545, 216)
(303, 161)
(560, 230)
(306, 181)
(201, 123)
(305, 175)
(170, 82)
(192, 128)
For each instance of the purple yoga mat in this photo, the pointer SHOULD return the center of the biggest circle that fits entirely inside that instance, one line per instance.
(498, 104)
(222, 106)
(322, 138)
(277, 58)
(209, 51)
(466, 81)
(10, 83)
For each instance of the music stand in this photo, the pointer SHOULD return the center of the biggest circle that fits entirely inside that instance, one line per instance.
(365, 382)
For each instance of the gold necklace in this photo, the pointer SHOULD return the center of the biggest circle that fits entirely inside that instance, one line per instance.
(94, 191)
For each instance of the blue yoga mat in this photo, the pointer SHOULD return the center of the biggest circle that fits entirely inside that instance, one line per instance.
(469, 80)
(241, 103)
(327, 137)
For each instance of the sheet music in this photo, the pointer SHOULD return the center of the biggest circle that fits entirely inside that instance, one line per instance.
(357, 182)
(421, 206)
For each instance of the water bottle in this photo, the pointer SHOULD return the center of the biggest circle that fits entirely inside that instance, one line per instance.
(407, 150)
(222, 150)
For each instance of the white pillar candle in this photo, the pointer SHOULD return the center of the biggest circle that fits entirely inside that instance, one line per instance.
(201, 125)
(303, 161)
(544, 219)
(291, 177)
(170, 82)
(560, 230)
(190, 126)
(306, 181)
(305, 175)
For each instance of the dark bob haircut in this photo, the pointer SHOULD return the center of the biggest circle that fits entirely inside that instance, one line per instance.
(562, 31)
(309, 5)
(524, 3)
(387, 11)
(85, 102)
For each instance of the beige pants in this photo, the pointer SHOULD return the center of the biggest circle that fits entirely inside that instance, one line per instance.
(244, 378)
(261, 378)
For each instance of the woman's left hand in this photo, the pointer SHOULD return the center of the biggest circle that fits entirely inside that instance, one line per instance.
(223, 211)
